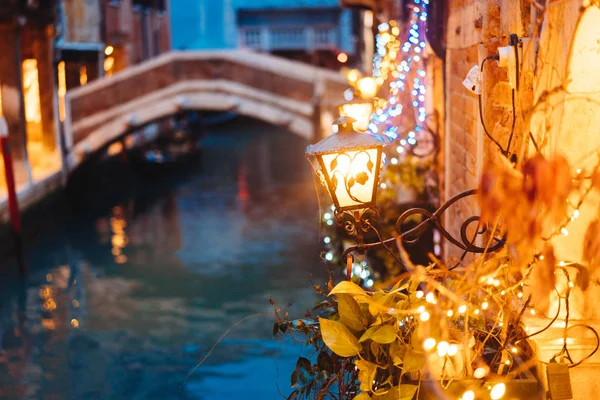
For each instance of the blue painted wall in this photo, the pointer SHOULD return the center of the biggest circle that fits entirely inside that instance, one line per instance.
(212, 24)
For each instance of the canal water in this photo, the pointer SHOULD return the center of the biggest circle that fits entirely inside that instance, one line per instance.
(141, 272)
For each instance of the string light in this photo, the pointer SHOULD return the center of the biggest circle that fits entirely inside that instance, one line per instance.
(498, 391)
(429, 344)
(468, 395)
(442, 349)
(452, 350)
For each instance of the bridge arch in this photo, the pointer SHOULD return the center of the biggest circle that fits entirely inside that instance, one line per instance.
(268, 88)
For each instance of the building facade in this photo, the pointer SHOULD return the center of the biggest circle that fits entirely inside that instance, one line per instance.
(27, 86)
(314, 31)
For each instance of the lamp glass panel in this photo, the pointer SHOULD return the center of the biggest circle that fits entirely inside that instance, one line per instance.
(361, 112)
(353, 176)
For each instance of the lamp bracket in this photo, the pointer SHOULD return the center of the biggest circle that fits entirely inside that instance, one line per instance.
(465, 243)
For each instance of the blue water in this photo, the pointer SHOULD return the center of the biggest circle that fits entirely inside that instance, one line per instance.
(128, 292)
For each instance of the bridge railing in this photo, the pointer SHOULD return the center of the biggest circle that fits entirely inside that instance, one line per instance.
(115, 100)
(273, 38)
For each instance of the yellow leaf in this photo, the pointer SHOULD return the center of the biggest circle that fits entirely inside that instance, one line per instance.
(349, 288)
(413, 361)
(350, 313)
(402, 392)
(383, 334)
(338, 338)
(366, 374)
(363, 396)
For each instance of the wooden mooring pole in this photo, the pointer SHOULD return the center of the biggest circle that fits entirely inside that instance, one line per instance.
(13, 203)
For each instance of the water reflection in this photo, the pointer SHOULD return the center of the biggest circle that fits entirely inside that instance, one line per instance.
(123, 302)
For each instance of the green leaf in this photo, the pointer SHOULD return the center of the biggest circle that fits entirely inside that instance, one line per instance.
(338, 338)
(413, 361)
(348, 287)
(382, 334)
(362, 178)
(350, 313)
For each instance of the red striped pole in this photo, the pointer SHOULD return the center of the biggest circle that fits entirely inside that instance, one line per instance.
(13, 203)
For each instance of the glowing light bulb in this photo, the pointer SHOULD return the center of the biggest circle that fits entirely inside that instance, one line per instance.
(520, 295)
(468, 395)
(476, 312)
(430, 298)
(564, 231)
(429, 344)
(419, 294)
(462, 309)
(329, 256)
(502, 293)
(484, 305)
(442, 349)
(327, 239)
(498, 391)
(571, 284)
(424, 316)
(480, 373)
(421, 309)
(532, 311)
(452, 350)
(450, 313)
(514, 350)
(576, 213)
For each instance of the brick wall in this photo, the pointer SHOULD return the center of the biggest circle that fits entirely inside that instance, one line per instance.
(474, 30)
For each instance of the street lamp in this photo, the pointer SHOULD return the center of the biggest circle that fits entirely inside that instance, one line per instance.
(360, 110)
(349, 164)
(367, 87)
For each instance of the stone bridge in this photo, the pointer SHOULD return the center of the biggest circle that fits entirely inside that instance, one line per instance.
(300, 97)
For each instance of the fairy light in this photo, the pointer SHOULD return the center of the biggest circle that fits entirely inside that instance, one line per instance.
(424, 316)
(462, 309)
(498, 391)
(564, 231)
(514, 350)
(419, 294)
(452, 350)
(480, 373)
(450, 313)
(442, 349)
(468, 395)
(327, 239)
(484, 305)
(430, 298)
(429, 344)
(388, 47)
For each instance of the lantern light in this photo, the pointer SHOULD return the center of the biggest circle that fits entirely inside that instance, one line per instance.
(360, 110)
(367, 87)
(350, 162)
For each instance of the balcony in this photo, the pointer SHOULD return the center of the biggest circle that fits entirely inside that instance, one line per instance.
(277, 38)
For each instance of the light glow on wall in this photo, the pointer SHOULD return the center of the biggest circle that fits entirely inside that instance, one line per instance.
(31, 90)
(62, 90)
(83, 78)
